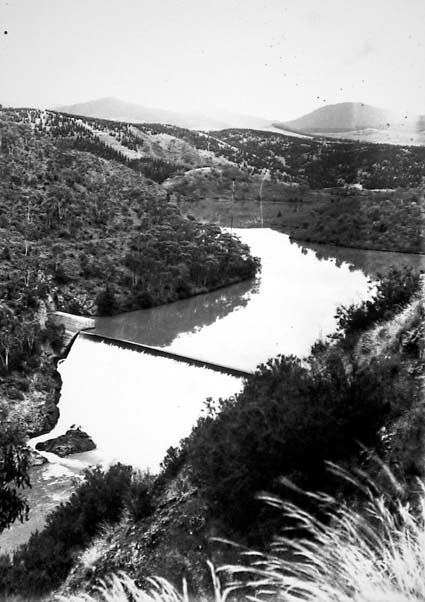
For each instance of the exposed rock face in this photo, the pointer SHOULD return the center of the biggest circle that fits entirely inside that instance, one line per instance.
(36, 459)
(72, 324)
(74, 441)
(32, 398)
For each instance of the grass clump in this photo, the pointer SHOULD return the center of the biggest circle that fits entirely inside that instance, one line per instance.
(372, 554)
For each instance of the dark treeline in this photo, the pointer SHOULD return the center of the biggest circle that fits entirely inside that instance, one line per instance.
(390, 223)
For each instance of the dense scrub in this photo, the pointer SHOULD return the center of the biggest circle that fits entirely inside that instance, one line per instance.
(375, 555)
(392, 222)
(289, 420)
(319, 162)
(44, 562)
(155, 169)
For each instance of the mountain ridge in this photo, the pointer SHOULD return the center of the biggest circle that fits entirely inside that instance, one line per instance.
(116, 109)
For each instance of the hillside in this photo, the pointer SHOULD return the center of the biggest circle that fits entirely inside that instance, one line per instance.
(344, 193)
(82, 216)
(218, 176)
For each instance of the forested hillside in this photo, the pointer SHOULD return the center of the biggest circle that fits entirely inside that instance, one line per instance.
(81, 222)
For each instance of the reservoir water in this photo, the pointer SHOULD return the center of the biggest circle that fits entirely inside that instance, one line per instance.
(136, 405)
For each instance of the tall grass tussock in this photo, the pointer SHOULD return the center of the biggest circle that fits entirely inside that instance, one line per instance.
(371, 553)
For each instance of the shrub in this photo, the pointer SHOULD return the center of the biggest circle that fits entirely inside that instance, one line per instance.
(393, 291)
(144, 300)
(14, 466)
(139, 499)
(54, 333)
(289, 419)
(375, 555)
(106, 302)
(41, 564)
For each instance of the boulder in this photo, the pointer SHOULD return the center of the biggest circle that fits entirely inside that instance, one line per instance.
(74, 441)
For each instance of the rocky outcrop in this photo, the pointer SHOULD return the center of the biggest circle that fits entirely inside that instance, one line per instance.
(74, 441)
(36, 459)
(72, 324)
(32, 398)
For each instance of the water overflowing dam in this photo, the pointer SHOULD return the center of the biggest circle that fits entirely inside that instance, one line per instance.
(134, 404)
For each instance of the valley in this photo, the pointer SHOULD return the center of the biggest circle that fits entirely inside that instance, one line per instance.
(99, 217)
(315, 189)
(212, 301)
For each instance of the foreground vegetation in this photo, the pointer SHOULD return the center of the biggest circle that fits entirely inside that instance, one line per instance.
(346, 557)
(44, 562)
(290, 419)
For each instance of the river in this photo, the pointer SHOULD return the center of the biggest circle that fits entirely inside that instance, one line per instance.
(136, 405)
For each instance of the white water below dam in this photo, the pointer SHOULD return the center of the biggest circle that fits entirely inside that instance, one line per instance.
(134, 405)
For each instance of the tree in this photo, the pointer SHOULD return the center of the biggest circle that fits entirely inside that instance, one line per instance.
(14, 463)
(106, 302)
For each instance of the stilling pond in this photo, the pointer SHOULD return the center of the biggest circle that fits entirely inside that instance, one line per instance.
(136, 405)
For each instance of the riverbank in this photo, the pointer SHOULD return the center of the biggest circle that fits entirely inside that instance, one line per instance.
(359, 247)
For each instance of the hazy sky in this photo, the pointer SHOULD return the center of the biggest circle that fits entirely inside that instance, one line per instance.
(272, 58)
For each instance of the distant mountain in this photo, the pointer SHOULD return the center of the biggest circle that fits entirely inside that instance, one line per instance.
(345, 116)
(359, 121)
(119, 110)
